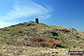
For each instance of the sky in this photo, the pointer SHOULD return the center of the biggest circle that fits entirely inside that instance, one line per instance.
(67, 13)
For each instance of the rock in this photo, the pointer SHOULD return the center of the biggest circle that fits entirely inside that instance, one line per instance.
(36, 20)
(54, 34)
(65, 30)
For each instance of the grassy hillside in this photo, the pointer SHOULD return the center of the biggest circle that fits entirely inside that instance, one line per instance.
(20, 34)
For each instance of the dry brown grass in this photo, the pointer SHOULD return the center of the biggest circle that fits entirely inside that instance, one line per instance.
(12, 50)
(43, 42)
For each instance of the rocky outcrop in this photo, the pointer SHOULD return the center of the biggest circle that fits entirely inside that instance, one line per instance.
(24, 24)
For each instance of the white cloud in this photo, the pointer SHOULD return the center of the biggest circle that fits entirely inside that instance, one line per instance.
(44, 16)
(5, 24)
(22, 9)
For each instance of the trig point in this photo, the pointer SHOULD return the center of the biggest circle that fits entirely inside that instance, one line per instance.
(36, 20)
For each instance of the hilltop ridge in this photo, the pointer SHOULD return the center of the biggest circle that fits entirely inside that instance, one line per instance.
(38, 39)
(19, 32)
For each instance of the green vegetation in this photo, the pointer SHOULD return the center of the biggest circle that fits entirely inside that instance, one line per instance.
(19, 34)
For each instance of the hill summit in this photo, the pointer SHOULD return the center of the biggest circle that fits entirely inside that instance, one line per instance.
(41, 35)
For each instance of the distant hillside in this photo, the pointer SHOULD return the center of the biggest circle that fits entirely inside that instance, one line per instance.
(21, 34)
(82, 32)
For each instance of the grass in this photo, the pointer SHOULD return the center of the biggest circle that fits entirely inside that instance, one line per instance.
(19, 32)
(29, 38)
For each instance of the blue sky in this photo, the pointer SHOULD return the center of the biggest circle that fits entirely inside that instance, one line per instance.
(68, 13)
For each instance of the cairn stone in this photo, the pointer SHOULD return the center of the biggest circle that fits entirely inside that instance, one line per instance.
(36, 20)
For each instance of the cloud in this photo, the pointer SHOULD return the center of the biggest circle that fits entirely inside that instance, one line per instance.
(5, 24)
(23, 9)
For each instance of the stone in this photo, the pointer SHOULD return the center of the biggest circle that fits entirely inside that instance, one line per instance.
(37, 21)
